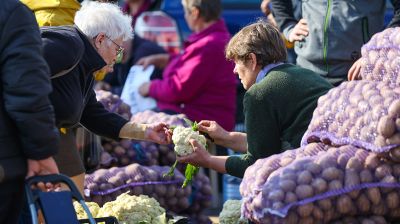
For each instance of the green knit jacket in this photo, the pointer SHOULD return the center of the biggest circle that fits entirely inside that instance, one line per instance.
(277, 112)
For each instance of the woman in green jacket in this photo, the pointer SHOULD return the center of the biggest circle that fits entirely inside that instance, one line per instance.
(278, 104)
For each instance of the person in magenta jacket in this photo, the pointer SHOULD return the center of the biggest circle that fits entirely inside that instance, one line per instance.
(200, 82)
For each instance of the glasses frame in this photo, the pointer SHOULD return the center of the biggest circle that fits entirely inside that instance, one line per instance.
(120, 50)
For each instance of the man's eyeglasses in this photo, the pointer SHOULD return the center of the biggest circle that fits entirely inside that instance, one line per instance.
(120, 49)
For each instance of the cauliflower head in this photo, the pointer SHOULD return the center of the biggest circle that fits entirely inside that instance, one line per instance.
(181, 137)
(80, 212)
(134, 209)
(231, 213)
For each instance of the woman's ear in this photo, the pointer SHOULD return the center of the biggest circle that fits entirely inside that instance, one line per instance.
(253, 61)
(99, 40)
(195, 12)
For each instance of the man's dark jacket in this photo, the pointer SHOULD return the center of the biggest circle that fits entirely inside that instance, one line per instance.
(27, 127)
(73, 97)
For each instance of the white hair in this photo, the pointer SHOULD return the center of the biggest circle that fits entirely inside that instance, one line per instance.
(96, 17)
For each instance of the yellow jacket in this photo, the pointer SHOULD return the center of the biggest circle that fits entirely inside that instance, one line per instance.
(53, 12)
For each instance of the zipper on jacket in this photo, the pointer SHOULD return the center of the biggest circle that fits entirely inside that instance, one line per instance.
(325, 50)
(365, 30)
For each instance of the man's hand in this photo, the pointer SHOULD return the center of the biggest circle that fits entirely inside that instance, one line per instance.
(265, 7)
(216, 132)
(158, 60)
(200, 156)
(43, 167)
(354, 72)
(144, 89)
(157, 133)
(299, 32)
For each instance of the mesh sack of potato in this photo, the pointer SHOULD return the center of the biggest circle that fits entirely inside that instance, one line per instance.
(126, 151)
(113, 103)
(256, 175)
(361, 113)
(380, 59)
(341, 182)
(106, 185)
(201, 196)
(362, 220)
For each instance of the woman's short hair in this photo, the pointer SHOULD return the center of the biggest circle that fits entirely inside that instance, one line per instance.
(210, 10)
(260, 38)
(99, 17)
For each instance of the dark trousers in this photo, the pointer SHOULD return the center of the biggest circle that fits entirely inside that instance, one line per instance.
(11, 202)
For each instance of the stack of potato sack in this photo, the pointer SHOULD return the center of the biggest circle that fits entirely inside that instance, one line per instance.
(348, 165)
(106, 185)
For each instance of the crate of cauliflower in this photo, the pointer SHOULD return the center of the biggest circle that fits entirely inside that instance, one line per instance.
(127, 209)
(180, 137)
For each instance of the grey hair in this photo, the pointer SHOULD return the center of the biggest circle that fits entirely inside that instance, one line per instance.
(96, 17)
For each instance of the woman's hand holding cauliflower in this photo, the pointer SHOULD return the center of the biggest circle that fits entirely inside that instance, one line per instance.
(181, 138)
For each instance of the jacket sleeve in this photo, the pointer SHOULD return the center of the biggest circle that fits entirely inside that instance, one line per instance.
(100, 121)
(396, 14)
(283, 12)
(26, 85)
(190, 75)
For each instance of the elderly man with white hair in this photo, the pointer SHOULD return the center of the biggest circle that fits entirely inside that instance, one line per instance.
(75, 55)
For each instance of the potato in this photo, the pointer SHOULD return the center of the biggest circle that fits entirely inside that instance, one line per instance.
(383, 171)
(277, 205)
(396, 170)
(392, 200)
(276, 195)
(395, 154)
(116, 181)
(342, 160)
(287, 185)
(379, 209)
(394, 140)
(373, 57)
(291, 218)
(380, 141)
(374, 195)
(352, 178)
(335, 185)
(285, 161)
(290, 197)
(313, 168)
(394, 109)
(386, 126)
(363, 204)
(308, 220)
(395, 213)
(331, 173)
(378, 219)
(304, 191)
(367, 221)
(305, 210)
(344, 204)
(288, 175)
(366, 176)
(317, 213)
(319, 185)
(372, 161)
(326, 161)
(354, 163)
(304, 177)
